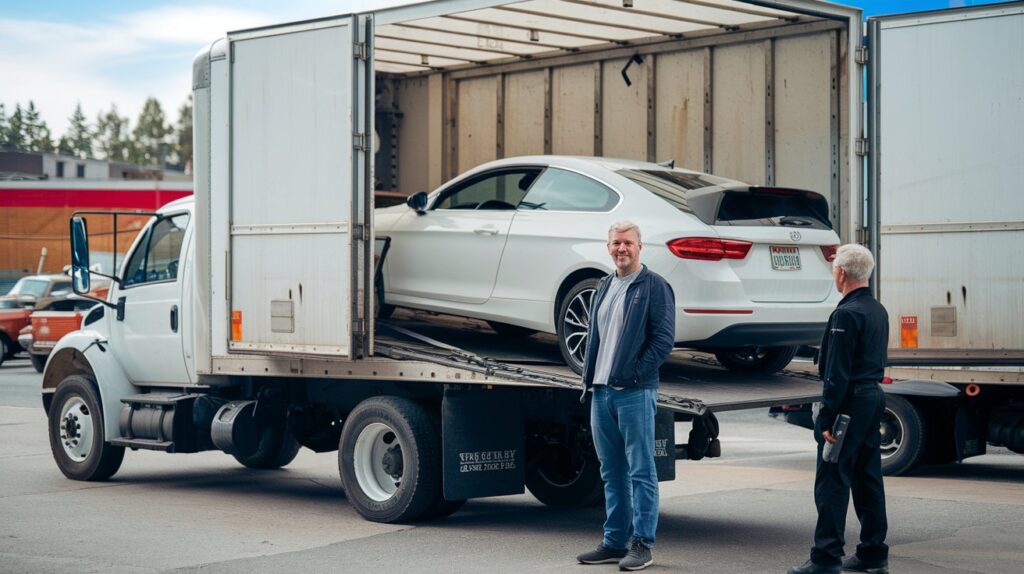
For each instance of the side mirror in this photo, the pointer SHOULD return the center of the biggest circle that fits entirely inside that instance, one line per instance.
(80, 279)
(418, 201)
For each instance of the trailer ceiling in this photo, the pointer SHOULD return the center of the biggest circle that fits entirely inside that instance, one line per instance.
(536, 29)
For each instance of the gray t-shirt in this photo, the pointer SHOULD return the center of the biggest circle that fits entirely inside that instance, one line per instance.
(609, 325)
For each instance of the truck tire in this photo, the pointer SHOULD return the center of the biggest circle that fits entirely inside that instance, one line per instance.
(389, 458)
(756, 359)
(554, 483)
(573, 320)
(38, 362)
(278, 447)
(5, 348)
(76, 432)
(507, 330)
(903, 436)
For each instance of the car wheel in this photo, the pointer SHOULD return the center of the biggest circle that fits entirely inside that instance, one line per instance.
(756, 359)
(38, 362)
(5, 348)
(389, 458)
(77, 432)
(510, 330)
(903, 436)
(573, 321)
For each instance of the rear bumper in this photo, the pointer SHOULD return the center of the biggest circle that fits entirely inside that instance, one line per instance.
(761, 334)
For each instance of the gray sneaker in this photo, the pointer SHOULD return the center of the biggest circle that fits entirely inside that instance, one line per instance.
(855, 564)
(638, 558)
(602, 555)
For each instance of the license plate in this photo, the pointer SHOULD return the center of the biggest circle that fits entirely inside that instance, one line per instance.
(785, 258)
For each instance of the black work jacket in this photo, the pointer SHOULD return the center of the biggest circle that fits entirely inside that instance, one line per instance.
(648, 332)
(853, 351)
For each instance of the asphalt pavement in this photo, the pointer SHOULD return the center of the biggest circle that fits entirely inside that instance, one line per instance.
(749, 511)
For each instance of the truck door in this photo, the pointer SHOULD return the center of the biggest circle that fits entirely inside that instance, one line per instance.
(151, 289)
(299, 241)
(944, 179)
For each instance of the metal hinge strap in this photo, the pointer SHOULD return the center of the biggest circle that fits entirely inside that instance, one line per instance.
(360, 142)
(861, 56)
(360, 51)
(861, 147)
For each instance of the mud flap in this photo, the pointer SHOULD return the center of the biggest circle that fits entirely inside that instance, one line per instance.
(665, 445)
(482, 437)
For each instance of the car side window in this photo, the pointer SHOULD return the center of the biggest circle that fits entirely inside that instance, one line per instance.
(490, 192)
(60, 289)
(561, 190)
(156, 257)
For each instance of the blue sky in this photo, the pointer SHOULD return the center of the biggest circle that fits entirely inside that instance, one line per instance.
(103, 52)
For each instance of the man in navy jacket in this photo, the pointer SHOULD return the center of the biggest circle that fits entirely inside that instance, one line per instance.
(630, 334)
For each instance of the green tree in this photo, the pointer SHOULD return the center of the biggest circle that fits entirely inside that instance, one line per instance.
(3, 126)
(37, 134)
(78, 139)
(15, 137)
(151, 144)
(183, 145)
(111, 135)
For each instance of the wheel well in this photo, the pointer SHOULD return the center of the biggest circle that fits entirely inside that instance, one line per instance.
(62, 365)
(574, 278)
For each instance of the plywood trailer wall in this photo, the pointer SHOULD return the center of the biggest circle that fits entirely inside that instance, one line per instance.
(759, 107)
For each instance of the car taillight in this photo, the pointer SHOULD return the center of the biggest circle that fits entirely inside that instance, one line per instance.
(829, 251)
(708, 248)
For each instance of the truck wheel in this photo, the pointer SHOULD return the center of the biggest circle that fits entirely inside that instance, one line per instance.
(5, 348)
(573, 320)
(756, 359)
(278, 447)
(389, 457)
(38, 362)
(511, 330)
(903, 436)
(77, 432)
(557, 482)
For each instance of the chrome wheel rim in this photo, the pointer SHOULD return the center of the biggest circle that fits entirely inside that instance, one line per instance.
(378, 461)
(76, 429)
(575, 323)
(891, 429)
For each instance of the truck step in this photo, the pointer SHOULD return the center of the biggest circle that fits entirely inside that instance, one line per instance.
(144, 443)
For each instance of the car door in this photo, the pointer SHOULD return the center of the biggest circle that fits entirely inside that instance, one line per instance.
(148, 338)
(452, 251)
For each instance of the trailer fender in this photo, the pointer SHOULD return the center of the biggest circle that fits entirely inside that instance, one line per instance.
(919, 388)
(87, 353)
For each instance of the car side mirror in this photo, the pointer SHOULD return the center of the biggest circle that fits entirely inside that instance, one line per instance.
(418, 201)
(80, 280)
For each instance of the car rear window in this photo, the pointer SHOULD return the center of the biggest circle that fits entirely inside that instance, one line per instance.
(671, 185)
(773, 207)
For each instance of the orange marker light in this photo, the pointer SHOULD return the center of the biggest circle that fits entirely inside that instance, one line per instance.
(908, 331)
(236, 325)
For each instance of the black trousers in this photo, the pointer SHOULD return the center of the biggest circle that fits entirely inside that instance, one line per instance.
(859, 470)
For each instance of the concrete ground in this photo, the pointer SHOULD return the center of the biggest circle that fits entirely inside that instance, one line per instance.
(750, 511)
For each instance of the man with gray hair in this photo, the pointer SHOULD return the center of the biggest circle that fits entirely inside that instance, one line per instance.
(851, 364)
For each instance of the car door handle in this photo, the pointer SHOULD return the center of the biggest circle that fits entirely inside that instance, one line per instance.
(486, 231)
(174, 318)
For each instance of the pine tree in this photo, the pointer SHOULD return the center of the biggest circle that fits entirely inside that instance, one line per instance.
(78, 139)
(64, 146)
(111, 135)
(150, 136)
(37, 134)
(15, 138)
(3, 127)
(183, 147)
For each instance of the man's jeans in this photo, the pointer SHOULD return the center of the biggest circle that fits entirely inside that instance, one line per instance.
(623, 425)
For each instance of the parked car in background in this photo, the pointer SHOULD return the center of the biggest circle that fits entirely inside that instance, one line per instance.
(521, 243)
(28, 294)
(52, 322)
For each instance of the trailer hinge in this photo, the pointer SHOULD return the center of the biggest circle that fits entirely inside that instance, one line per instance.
(360, 51)
(361, 232)
(861, 55)
(360, 142)
(861, 147)
(358, 325)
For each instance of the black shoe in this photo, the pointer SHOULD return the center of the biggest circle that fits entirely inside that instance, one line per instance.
(602, 555)
(855, 564)
(812, 568)
(638, 558)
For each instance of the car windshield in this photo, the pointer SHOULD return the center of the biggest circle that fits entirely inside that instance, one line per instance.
(34, 287)
(671, 185)
(9, 304)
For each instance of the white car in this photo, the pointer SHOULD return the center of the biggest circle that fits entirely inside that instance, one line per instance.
(521, 243)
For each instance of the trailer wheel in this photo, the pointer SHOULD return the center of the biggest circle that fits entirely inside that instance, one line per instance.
(77, 432)
(389, 458)
(38, 362)
(573, 320)
(558, 482)
(903, 436)
(756, 359)
(277, 448)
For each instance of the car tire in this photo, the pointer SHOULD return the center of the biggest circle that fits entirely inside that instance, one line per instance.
(555, 484)
(756, 359)
(5, 348)
(572, 323)
(904, 436)
(277, 448)
(77, 434)
(506, 330)
(389, 458)
(38, 362)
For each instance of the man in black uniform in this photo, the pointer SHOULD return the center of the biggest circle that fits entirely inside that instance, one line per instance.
(851, 364)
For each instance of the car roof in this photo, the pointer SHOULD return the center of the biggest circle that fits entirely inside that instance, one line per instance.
(605, 163)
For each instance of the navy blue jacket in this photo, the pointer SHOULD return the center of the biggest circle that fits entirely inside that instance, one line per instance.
(648, 332)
